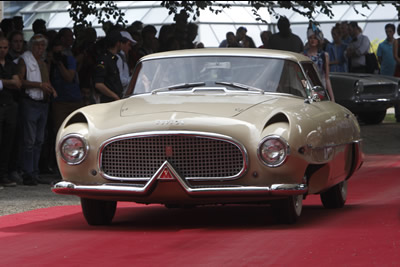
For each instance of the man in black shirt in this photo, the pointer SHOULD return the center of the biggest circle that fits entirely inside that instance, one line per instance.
(106, 77)
(9, 81)
(285, 39)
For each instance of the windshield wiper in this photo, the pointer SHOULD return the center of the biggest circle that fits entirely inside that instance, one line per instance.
(177, 86)
(242, 86)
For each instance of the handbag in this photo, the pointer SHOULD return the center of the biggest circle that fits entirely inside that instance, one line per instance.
(371, 63)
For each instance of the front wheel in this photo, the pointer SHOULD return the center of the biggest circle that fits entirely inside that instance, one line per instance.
(288, 210)
(335, 197)
(375, 117)
(98, 212)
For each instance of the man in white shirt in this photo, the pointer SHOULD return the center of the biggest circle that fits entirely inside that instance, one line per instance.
(357, 49)
(122, 62)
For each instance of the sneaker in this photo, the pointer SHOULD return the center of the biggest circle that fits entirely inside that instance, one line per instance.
(16, 177)
(7, 183)
(29, 180)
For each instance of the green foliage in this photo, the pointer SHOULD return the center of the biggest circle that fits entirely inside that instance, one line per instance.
(102, 10)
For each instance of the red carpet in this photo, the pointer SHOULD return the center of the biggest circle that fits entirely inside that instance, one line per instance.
(366, 232)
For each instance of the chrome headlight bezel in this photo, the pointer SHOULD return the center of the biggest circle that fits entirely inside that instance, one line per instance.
(83, 146)
(283, 155)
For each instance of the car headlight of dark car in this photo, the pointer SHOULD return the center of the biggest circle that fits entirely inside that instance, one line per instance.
(358, 87)
(73, 149)
(273, 150)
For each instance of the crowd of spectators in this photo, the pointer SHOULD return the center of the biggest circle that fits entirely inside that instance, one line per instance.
(44, 79)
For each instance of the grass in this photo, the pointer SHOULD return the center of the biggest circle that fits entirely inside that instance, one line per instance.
(389, 118)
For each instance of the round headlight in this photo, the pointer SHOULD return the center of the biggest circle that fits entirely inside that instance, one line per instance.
(273, 151)
(73, 149)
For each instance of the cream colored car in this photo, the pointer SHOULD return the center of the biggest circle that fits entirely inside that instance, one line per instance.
(211, 126)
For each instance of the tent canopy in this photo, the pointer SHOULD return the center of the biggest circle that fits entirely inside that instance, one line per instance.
(212, 27)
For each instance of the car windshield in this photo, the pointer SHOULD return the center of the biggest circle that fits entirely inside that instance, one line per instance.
(234, 73)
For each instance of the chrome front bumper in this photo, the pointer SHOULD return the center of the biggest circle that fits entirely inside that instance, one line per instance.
(166, 174)
(138, 190)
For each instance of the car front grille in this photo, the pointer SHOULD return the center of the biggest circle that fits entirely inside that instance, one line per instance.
(381, 90)
(192, 156)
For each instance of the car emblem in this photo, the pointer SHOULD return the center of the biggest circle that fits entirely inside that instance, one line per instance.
(166, 174)
(168, 151)
(170, 122)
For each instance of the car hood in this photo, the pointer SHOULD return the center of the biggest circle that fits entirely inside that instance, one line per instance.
(365, 78)
(215, 105)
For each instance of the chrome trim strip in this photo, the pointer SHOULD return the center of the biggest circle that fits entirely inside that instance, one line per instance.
(216, 53)
(79, 136)
(135, 190)
(331, 146)
(183, 133)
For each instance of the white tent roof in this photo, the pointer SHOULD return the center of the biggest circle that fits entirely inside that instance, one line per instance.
(212, 28)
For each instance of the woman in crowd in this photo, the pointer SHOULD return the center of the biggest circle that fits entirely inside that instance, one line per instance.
(337, 60)
(318, 56)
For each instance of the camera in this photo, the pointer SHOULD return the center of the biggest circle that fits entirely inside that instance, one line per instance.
(58, 56)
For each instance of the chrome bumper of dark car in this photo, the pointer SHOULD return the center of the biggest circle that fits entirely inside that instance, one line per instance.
(378, 100)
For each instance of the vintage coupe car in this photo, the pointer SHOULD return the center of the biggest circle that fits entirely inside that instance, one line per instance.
(212, 126)
(368, 96)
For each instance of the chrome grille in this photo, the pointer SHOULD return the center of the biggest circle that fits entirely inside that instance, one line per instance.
(192, 156)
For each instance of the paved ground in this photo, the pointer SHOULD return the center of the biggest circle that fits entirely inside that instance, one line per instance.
(378, 139)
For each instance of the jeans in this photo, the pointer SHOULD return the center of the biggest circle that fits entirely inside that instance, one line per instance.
(8, 123)
(397, 112)
(34, 116)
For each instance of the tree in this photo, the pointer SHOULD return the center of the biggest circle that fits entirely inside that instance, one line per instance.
(307, 9)
(104, 10)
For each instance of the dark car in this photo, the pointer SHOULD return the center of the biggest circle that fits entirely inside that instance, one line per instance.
(366, 95)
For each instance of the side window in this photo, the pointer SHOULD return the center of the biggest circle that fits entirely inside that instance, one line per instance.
(292, 80)
(315, 80)
(312, 74)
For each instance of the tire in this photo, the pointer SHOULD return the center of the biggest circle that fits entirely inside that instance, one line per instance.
(372, 117)
(288, 210)
(335, 197)
(98, 212)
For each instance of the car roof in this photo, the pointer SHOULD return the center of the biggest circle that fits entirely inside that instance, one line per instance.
(244, 52)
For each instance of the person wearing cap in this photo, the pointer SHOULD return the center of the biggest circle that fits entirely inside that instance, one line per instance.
(122, 62)
(106, 77)
(285, 39)
(64, 78)
(357, 49)
(318, 56)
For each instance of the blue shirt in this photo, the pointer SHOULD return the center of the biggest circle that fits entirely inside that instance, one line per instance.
(388, 64)
(66, 91)
(336, 53)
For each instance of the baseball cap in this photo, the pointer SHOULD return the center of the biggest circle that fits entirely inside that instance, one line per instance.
(128, 36)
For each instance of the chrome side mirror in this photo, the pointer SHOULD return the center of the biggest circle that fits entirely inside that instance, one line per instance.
(318, 93)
